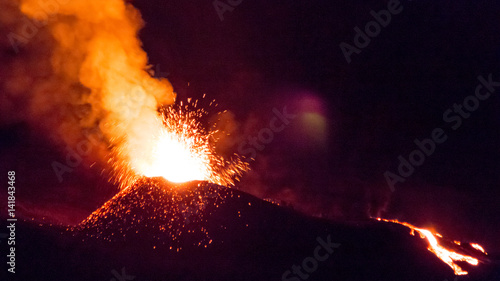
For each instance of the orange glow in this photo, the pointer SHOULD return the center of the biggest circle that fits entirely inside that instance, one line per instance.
(96, 46)
(180, 150)
(169, 210)
(447, 256)
(176, 155)
(172, 159)
(478, 247)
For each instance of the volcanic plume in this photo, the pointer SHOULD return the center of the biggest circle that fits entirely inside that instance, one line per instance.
(93, 79)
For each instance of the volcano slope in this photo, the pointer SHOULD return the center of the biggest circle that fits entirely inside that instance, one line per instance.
(157, 230)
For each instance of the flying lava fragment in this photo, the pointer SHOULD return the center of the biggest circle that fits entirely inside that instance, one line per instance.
(163, 212)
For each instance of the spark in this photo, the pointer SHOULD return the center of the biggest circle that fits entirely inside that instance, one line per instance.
(165, 212)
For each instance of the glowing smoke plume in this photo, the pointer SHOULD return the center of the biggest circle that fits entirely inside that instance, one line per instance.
(90, 58)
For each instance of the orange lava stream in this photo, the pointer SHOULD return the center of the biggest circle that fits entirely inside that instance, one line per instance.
(447, 256)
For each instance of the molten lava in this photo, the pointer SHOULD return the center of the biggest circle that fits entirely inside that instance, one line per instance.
(446, 255)
(175, 161)
(180, 151)
(478, 247)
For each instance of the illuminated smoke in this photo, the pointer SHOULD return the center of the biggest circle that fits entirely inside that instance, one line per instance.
(82, 69)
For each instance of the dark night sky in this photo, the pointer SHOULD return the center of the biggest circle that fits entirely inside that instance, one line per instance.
(271, 54)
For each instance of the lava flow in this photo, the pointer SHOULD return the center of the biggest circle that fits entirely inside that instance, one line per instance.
(448, 256)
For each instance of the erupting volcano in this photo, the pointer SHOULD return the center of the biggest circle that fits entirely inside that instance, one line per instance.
(142, 132)
(171, 214)
(174, 192)
(182, 150)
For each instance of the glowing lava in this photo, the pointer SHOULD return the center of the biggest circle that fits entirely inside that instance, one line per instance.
(447, 256)
(478, 247)
(157, 211)
(174, 160)
(97, 51)
(181, 150)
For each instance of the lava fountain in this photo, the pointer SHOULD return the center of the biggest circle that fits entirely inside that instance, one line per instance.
(182, 150)
(178, 183)
(97, 51)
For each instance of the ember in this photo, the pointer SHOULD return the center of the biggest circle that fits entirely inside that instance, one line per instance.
(166, 213)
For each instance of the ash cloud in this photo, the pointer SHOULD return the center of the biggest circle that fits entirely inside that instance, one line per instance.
(75, 70)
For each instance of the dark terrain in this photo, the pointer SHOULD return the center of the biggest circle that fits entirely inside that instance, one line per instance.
(251, 239)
